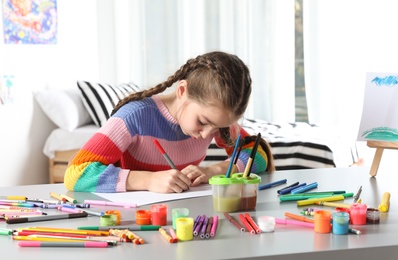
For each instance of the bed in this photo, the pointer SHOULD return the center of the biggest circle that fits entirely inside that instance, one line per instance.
(79, 113)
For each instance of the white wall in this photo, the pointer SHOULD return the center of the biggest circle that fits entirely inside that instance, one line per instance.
(23, 125)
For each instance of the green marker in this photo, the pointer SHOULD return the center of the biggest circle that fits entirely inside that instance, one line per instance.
(5, 232)
(131, 228)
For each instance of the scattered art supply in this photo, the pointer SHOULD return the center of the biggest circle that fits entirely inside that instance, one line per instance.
(340, 221)
(293, 222)
(272, 184)
(159, 214)
(385, 202)
(178, 213)
(63, 244)
(288, 187)
(372, 216)
(304, 188)
(233, 221)
(184, 229)
(322, 220)
(358, 214)
(46, 218)
(110, 203)
(266, 223)
(246, 223)
(214, 226)
(143, 217)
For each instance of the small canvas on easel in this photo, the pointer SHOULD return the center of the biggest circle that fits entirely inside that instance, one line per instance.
(380, 108)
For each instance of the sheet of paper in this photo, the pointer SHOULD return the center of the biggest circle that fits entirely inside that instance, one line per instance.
(380, 108)
(146, 197)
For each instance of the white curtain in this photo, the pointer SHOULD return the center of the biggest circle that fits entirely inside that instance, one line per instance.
(343, 40)
(153, 38)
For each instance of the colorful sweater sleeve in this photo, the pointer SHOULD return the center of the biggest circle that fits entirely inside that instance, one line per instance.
(260, 160)
(94, 168)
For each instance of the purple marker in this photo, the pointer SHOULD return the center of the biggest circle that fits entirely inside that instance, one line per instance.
(196, 222)
(204, 226)
(200, 222)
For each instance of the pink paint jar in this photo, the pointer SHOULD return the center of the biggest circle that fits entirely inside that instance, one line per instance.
(358, 214)
(159, 214)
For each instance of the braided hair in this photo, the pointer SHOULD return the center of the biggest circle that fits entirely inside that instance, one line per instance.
(216, 78)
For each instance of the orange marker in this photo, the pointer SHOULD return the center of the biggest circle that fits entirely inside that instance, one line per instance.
(298, 217)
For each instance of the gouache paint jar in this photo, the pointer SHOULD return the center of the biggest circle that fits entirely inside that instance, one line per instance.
(178, 213)
(159, 215)
(358, 214)
(184, 229)
(340, 223)
(372, 216)
(322, 219)
(226, 193)
(248, 200)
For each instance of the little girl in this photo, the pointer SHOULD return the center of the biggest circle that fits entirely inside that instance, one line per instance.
(212, 93)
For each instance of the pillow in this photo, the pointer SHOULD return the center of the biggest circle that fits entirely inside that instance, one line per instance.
(100, 99)
(64, 108)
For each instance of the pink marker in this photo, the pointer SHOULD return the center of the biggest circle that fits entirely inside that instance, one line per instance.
(214, 226)
(109, 203)
(293, 222)
(63, 244)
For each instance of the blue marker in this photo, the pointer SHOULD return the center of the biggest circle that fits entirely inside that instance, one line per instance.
(272, 184)
(305, 188)
(288, 190)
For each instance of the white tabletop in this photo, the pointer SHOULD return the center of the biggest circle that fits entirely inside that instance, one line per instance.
(286, 242)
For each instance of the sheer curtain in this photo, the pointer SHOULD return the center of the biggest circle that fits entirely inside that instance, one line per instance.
(342, 41)
(152, 38)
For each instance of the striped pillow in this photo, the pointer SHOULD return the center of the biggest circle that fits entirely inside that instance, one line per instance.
(100, 99)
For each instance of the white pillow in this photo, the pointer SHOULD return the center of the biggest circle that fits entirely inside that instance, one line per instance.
(100, 99)
(64, 107)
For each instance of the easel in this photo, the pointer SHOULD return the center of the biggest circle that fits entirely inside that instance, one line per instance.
(380, 146)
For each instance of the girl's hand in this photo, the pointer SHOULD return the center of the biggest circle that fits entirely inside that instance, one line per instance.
(197, 174)
(169, 181)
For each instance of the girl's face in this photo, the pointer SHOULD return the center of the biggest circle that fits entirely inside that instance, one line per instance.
(199, 121)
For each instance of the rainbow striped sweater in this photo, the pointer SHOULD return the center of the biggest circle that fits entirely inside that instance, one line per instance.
(125, 143)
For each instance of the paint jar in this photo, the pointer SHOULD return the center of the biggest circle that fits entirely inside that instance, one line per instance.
(322, 219)
(226, 193)
(358, 214)
(178, 213)
(115, 213)
(143, 217)
(159, 214)
(347, 210)
(184, 228)
(372, 216)
(340, 223)
(266, 223)
(248, 200)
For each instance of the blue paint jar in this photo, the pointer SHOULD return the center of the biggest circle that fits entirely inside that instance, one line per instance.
(340, 222)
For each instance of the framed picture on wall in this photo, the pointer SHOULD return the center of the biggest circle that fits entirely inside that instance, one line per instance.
(30, 21)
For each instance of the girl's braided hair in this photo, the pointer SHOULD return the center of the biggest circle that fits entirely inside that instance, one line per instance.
(215, 78)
